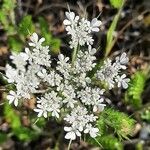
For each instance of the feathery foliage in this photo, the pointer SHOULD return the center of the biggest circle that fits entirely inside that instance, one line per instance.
(113, 122)
(136, 87)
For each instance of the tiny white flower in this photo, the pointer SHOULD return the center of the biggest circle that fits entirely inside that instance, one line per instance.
(20, 60)
(95, 24)
(11, 74)
(35, 41)
(122, 81)
(71, 133)
(50, 102)
(91, 130)
(71, 18)
(13, 98)
(80, 29)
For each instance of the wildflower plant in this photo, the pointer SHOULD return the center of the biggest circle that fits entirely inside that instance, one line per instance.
(66, 90)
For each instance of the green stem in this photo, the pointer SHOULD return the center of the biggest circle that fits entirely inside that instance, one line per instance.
(69, 144)
(74, 55)
(98, 142)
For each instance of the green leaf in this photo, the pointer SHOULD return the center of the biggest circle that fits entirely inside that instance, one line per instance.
(110, 32)
(118, 121)
(43, 26)
(145, 115)
(3, 137)
(26, 26)
(117, 3)
(21, 132)
(3, 19)
(54, 43)
(45, 30)
(11, 116)
(25, 134)
(15, 44)
(9, 4)
(108, 142)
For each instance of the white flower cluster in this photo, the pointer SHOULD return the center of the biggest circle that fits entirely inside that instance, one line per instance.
(66, 89)
(110, 72)
(80, 29)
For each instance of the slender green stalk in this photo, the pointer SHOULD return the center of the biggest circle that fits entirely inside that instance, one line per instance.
(69, 145)
(74, 54)
(97, 142)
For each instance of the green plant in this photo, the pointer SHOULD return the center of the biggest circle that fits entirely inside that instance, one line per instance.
(135, 90)
(17, 32)
(110, 39)
(115, 123)
(145, 115)
(3, 137)
(17, 129)
(108, 142)
(54, 43)
(116, 3)
(7, 15)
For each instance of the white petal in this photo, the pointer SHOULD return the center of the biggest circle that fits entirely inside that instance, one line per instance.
(34, 37)
(94, 108)
(40, 113)
(86, 131)
(10, 97)
(101, 107)
(45, 114)
(31, 44)
(12, 92)
(93, 134)
(66, 22)
(42, 40)
(16, 102)
(95, 29)
(95, 22)
(70, 135)
(61, 57)
(78, 133)
(72, 15)
(24, 56)
(67, 129)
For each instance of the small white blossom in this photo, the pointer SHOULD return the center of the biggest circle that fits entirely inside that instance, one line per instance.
(52, 78)
(91, 130)
(80, 29)
(63, 65)
(71, 18)
(49, 103)
(84, 61)
(35, 41)
(69, 94)
(95, 24)
(13, 98)
(79, 120)
(110, 72)
(71, 133)
(82, 80)
(65, 86)
(122, 81)
(40, 56)
(20, 60)
(121, 61)
(11, 74)
(91, 96)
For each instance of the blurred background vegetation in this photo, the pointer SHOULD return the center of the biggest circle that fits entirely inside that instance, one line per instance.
(125, 28)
